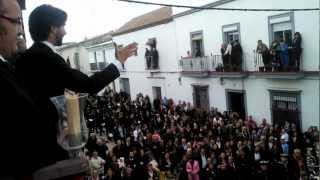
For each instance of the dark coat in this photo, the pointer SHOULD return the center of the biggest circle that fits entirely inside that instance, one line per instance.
(18, 116)
(45, 74)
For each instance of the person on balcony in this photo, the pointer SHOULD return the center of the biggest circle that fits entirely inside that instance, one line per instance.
(148, 58)
(264, 51)
(155, 58)
(188, 55)
(152, 54)
(236, 55)
(296, 48)
(284, 54)
(225, 58)
(227, 55)
(198, 53)
(275, 55)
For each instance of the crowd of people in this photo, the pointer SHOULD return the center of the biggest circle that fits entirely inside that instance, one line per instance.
(140, 139)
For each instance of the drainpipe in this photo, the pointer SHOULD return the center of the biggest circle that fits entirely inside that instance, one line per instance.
(319, 65)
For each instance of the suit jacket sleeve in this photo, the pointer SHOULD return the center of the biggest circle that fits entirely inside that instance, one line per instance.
(77, 81)
(45, 73)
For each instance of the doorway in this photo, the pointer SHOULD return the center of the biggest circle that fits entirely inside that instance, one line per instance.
(156, 91)
(236, 102)
(125, 86)
(201, 97)
(197, 44)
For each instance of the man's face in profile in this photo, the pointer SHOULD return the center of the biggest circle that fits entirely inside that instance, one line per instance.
(10, 27)
(60, 33)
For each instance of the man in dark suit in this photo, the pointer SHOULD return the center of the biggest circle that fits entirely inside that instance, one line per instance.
(46, 74)
(18, 112)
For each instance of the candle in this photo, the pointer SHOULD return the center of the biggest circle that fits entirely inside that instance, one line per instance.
(73, 116)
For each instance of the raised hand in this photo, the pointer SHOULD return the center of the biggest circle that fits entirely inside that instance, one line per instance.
(122, 54)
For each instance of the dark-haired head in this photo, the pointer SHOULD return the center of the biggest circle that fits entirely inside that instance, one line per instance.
(47, 22)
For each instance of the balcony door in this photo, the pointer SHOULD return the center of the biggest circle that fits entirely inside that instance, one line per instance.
(197, 44)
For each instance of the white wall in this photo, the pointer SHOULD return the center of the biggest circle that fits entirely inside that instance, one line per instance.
(83, 57)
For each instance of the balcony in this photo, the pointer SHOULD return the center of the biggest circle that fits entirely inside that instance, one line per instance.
(211, 66)
(274, 69)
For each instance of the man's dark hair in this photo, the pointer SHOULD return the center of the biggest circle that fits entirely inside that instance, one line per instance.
(42, 19)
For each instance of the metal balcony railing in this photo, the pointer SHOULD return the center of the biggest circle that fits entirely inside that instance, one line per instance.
(273, 63)
(209, 63)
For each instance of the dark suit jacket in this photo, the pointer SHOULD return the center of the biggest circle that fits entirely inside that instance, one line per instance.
(18, 114)
(45, 74)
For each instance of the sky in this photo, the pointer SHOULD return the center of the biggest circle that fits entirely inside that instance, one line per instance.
(89, 18)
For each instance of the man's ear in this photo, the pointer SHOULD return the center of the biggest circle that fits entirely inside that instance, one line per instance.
(53, 29)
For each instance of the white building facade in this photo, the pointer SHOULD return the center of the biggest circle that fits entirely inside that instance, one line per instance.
(276, 96)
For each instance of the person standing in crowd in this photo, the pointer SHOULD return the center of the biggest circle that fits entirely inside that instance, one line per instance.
(203, 162)
(296, 48)
(46, 74)
(264, 51)
(193, 169)
(96, 166)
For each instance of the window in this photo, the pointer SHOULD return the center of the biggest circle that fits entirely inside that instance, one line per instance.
(104, 55)
(76, 60)
(197, 48)
(285, 107)
(101, 63)
(92, 61)
(231, 32)
(97, 60)
(281, 27)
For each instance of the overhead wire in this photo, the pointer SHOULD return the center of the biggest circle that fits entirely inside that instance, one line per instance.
(217, 8)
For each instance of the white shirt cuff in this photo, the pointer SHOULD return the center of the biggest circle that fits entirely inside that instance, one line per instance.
(118, 65)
